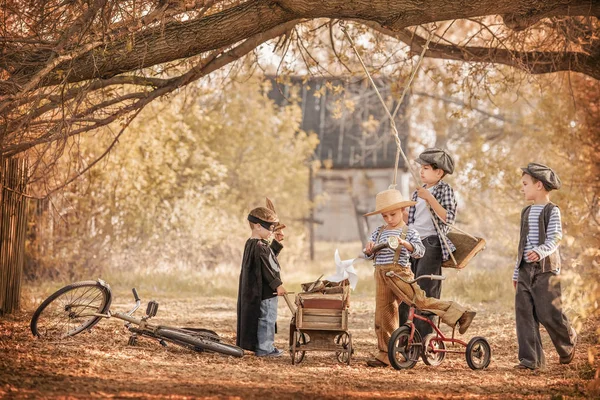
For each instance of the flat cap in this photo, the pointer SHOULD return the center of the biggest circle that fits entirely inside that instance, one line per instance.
(439, 157)
(544, 174)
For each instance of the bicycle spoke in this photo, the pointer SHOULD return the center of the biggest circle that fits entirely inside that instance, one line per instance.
(71, 311)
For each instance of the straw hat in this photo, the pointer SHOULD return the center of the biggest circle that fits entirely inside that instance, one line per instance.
(389, 200)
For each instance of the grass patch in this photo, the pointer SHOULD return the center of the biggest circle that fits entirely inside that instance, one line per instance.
(473, 285)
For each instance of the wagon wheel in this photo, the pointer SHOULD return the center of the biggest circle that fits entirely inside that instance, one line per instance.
(345, 340)
(297, 355)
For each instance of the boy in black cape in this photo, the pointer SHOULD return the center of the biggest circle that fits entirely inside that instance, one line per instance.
(260, 284)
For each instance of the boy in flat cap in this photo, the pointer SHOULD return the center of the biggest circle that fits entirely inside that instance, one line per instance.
(538, 292)
(439, 196)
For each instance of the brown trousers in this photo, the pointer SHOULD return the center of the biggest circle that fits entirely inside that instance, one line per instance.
(390, 291)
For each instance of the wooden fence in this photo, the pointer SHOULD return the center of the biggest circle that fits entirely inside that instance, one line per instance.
(13, 218)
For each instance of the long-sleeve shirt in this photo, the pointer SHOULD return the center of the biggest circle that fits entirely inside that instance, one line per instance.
(386, 255)
(444, 194)
(553, 235)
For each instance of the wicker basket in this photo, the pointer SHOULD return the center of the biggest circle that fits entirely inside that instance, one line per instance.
(466, 248)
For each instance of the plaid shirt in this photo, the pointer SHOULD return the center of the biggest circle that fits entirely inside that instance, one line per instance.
(444, 194)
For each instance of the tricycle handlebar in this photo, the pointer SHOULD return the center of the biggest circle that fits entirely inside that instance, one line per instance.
(432, 277)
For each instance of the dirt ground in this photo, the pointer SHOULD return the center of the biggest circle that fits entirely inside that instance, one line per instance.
(100, 364)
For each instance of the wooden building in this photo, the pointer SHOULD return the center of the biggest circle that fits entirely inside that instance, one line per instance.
(356, 150)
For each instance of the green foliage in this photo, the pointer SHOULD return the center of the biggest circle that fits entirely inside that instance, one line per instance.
(175, 190)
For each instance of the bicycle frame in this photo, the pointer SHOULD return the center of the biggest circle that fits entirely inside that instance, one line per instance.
(140, 322)
(412, 315)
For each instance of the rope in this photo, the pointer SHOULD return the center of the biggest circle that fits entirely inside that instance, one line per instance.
(394, 133)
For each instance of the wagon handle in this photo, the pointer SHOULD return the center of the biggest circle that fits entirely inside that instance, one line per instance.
(290, 303)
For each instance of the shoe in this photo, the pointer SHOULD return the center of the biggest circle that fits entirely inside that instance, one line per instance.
(465, 320)
(569, 358)
(275, 353)
(376, 363)
(521, 366)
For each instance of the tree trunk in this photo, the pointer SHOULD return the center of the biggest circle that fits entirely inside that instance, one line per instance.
(13, 209)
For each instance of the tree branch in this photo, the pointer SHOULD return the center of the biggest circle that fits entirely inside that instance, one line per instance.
(534, 62)
(181, 39)
(206, 67)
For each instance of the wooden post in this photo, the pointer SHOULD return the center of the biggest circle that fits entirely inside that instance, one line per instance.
(311, 219)
(358, 213)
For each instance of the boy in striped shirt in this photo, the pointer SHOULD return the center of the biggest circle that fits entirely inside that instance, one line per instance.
(391, 290)
(538, 292)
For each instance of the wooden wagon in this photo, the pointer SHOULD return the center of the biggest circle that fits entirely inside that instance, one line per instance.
(320, 321)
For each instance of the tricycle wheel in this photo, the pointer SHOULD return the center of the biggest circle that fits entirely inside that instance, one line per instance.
(345, 340)
(479, 353)
(433, 350)
(299, 340)
(402, 351)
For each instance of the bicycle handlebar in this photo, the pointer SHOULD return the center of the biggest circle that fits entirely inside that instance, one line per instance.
(392, 242)
(137, 302)
(432, 277)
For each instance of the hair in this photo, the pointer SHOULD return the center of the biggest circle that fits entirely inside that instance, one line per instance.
(263, 213)
(536, 180)
(435, 167)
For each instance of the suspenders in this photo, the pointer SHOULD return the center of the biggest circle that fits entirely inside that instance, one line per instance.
(399, 248)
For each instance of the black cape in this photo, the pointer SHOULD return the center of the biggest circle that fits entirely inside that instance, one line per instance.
(259, 279)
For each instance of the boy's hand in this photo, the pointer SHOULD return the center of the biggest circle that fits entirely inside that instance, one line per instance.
(278, 235)
(281, 290)
(532, 256)
(369, 248)
(424, 194)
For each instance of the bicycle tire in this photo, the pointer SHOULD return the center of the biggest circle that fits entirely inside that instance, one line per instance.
(70, 302)
(402, 352)
(478, 353)
(177, 336)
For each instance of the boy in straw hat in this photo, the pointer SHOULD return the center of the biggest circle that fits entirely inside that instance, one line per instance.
(538, 292)
(260, 284)
(437, 196)
(389, 290)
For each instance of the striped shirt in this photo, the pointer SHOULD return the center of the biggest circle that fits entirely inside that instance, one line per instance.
(444, 194)
(386, 256)
(553, 235)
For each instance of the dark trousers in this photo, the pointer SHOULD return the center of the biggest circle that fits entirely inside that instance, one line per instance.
(429, 264)
(538, 301)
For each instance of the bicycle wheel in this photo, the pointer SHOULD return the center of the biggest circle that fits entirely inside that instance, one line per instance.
(433, 350)
(198, 341)
(479, 353)
(403, 353)
(71, 310)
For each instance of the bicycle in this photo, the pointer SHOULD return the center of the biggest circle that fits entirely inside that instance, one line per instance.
(406, 345)
(79, 306)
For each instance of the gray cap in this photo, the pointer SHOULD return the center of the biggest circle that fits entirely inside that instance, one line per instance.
(439, 157)
(544, 174)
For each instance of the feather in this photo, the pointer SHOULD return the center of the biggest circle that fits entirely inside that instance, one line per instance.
(270, 205)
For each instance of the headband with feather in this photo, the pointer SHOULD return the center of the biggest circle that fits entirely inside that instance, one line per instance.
(271, 207)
